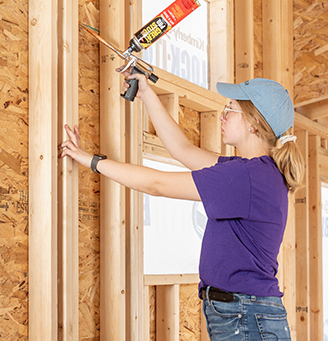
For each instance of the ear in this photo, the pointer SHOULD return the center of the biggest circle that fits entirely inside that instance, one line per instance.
(252, 129)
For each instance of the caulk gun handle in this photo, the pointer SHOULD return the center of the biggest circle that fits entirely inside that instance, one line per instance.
(130, 94)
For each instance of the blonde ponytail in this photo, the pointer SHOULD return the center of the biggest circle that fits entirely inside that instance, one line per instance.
(287, 157)
(290, 162)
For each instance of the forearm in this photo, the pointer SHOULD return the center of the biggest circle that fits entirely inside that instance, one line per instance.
(132, 176)
(169, 132)
(167, 129)
(179, 185)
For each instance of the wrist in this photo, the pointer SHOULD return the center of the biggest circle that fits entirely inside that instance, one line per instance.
(146, 94)
(94, 162)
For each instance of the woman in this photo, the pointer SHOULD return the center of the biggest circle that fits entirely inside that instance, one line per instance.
(245, 199)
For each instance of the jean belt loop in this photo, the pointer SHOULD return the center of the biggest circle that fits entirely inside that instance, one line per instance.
(207, 293)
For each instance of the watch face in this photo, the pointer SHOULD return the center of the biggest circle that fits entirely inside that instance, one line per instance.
(101, 156)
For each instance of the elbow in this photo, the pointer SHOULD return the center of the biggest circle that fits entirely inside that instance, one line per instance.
(155, 189)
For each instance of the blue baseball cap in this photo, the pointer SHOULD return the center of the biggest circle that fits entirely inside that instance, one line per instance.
(270, 98)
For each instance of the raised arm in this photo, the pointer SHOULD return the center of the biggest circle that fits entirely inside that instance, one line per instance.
(169, 132)
(178, 185)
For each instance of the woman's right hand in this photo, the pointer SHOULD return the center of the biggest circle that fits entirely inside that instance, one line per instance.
(143, 86)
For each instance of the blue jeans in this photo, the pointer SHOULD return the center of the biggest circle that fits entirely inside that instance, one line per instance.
(247, 318)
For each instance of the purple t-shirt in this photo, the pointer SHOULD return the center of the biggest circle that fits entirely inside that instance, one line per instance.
(246, 202)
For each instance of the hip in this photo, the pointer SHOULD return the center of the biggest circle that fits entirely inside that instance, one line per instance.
(246, 318)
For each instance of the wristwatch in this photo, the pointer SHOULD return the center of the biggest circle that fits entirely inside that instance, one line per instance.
(96, 158)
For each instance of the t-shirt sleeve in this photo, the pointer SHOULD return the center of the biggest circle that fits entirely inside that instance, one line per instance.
(225, 189)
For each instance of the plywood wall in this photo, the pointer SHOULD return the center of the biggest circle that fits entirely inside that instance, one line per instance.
(310, 77)
(190, 313)
(258, 36)
(310, 50)
(13, 170)
(89, 245)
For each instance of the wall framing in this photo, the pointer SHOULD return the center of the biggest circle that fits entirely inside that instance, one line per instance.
(53, 100)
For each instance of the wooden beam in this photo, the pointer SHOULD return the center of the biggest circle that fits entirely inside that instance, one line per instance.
(203, 325)
(323, 164)
(221, 42)
(136, 310)
(277, 16)
(288, 264)
(112, 195)
(302, 246)
(315, 241)
(314, 110)
(68, 253)
(43, 170)
(244, 40)
(301, 122)
(278, 42)
(167, 313)
(310, 101)
(210, 131)
(170, 279)
(171, 104)
(190, 95)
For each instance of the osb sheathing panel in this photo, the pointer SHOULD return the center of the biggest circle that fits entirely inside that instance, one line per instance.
(13, 170)
(189, 122)
(189, 317)
(89, 269)
(190, 313)
(258, 46)
(310, 50)
(152, 313)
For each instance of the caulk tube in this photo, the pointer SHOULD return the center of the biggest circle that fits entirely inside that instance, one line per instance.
(161, 24)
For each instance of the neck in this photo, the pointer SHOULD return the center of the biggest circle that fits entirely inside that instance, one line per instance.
(254, 147)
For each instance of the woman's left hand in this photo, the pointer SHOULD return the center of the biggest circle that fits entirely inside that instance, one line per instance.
(72, 147)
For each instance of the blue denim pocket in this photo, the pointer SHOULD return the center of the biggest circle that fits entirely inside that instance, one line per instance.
(224, 320)
(273, 325)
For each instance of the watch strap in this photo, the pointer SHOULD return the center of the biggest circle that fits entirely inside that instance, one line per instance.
(96, 158)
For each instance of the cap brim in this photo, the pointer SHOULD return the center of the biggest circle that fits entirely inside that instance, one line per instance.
(233, 91)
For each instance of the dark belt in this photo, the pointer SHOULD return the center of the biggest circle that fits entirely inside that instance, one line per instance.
(215, 294)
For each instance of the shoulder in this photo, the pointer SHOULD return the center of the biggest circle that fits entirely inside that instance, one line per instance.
(263, 166)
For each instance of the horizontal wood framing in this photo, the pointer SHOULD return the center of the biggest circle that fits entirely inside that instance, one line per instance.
(315, 110)
(171, 279)
(190, 95)
(302, 122)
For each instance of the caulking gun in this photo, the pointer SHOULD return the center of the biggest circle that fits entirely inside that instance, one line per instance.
(144, 38)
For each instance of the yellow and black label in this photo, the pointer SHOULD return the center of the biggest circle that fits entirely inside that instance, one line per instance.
(164, 21)
(152, 31)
